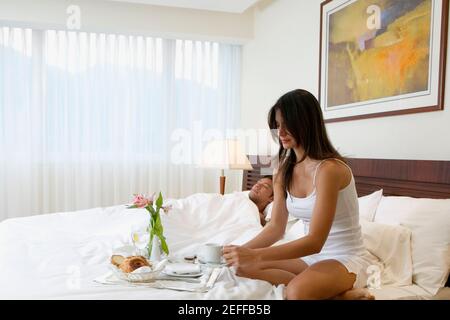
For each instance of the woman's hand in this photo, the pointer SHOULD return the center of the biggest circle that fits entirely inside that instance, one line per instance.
(239, 256)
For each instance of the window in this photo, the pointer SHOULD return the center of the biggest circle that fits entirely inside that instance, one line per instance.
(109, 102)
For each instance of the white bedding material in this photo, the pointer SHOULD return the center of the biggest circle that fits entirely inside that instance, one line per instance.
(368, 205)
(428, 220)
(58, 256)
(392, 245)
(412, 292)
(268, 214)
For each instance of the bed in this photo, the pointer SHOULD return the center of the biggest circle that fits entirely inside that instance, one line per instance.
(65, 255)
(59, 256)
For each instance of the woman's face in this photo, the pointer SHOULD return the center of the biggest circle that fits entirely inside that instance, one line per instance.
(286, 139)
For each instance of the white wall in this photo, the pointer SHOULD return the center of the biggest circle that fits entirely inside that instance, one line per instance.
(132, 18)
(284, 55)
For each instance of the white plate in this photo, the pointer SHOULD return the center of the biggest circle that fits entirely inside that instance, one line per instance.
(183, 275)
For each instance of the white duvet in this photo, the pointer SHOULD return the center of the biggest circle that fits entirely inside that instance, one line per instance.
(57, 256)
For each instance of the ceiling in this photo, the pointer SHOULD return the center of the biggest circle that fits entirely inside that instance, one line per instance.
(234, 6)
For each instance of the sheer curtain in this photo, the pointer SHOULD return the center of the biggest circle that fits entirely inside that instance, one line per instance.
(90, 119)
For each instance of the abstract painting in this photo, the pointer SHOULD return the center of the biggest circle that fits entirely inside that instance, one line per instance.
(382, 57)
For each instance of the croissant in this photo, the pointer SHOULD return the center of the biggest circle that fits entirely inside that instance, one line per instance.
(129, 264)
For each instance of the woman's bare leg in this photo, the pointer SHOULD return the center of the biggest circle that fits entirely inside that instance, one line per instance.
(275, 272)
(323, 280)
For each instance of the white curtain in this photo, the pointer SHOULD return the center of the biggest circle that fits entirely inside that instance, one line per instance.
(90, 119)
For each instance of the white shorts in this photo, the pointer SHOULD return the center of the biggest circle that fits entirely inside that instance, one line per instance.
(356, 264)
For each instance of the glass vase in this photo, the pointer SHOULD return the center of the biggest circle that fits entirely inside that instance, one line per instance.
(154, 249)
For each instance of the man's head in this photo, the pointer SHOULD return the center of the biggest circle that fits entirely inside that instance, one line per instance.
(262, 192)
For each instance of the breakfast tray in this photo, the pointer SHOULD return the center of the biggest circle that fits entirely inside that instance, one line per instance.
(202, 285)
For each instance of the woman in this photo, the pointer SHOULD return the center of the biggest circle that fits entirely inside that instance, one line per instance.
(314, 184)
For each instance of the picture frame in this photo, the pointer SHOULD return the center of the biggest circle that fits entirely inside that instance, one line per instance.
(382, 58)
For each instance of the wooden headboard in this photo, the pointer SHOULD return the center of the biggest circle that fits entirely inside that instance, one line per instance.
(411, 178)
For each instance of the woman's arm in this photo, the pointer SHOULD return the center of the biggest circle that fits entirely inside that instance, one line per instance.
(329, 182)
(275, 229)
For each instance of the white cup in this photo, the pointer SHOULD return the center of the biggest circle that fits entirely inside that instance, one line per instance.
(211, 253)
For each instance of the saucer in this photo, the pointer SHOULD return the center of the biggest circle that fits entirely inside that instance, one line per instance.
(222, 264)
(182, 275)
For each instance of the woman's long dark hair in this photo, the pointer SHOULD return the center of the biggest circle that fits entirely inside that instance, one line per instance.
(303, 118)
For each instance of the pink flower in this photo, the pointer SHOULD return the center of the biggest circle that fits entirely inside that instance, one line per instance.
(141, 201)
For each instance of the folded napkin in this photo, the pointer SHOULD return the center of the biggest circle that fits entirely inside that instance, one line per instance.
(144, 269)
(183, 268)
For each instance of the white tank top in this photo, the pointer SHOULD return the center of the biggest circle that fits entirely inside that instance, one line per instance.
(345, 235)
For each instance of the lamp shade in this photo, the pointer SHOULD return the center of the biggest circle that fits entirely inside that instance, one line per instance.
(225, 154)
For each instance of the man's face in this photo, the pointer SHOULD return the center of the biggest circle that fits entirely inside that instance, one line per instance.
(262, 191)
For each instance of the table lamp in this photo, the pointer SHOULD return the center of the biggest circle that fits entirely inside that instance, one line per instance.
(225, 155)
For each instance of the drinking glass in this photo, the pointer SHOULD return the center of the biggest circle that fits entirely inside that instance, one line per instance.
(139, 239)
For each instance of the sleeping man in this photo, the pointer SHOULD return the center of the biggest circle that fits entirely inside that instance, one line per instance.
(262, 194)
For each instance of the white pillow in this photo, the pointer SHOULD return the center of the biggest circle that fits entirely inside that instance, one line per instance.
(296, 231)
(392, 245)
(268, 213)
(429, 222)
(368, 205)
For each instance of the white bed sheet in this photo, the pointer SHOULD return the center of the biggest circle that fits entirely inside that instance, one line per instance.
(412, 292)
(57, 256)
